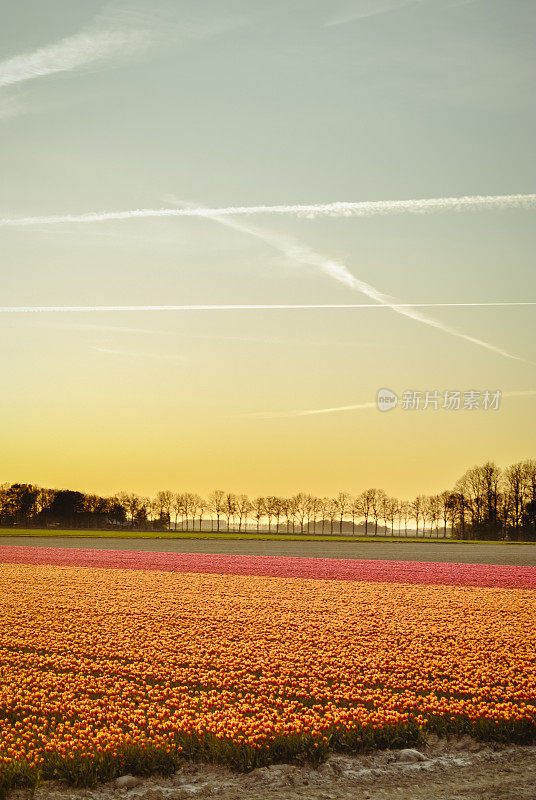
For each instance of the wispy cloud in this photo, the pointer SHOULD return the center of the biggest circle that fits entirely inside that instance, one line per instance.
(189, 334)
(96, 44)
(119, 32)
(139, 354)
(303, 254)
(522, 393)
(92, 328)
(363, 9)
(11, 106)
(367, 208)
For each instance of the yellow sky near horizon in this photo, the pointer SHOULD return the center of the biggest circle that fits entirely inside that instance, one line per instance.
(190, 409)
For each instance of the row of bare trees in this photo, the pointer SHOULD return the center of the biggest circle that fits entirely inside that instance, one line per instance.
(373, 512)
(485, 503)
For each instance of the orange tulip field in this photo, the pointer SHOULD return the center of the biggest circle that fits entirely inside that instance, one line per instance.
(109, 670)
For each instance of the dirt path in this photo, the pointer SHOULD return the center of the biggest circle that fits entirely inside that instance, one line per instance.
(456, 770)
(516, 555)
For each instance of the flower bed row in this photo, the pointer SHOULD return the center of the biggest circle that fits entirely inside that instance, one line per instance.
(109, 670)
(347, 569)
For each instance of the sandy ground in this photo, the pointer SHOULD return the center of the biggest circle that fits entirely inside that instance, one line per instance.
(456, 770)
(518, 555)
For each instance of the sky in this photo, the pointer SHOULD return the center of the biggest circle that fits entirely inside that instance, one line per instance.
(254, 111)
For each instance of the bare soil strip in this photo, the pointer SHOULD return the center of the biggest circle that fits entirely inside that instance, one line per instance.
(466, 553)
(460, 769)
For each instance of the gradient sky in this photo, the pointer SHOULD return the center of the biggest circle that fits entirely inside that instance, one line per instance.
(134, 105)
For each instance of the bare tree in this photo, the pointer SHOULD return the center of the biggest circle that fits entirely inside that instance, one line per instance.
(216, 504)
(143, 513)
(165, 505)
(491, 478)
(425, 514)
(324, 511)
(446, 500)
(333, 513)
(272, 508)
(471, 488)
(243, 508)
(178, 509)
(229, 509)
(279, 510)
(434, 511)
(515, 489)
(273, 511)
(194, 504)
(300, 504)
(405, 514)
(132, 503)
(258, 509)
(183, 504)
(391, 512)
(365, 500)
(315, 508)
(355, 511)
(417, 510)
(480, 488)
(202, 507)
(377, 506)
(342, 504)
(287, 510)
(529, 495)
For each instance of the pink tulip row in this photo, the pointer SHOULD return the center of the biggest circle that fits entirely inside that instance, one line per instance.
(344, 569)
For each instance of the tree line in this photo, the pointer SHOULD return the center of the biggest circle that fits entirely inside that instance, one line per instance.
(485, 503)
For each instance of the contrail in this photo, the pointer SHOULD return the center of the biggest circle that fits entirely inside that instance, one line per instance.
(358, 407)
(365, 208)
(256, 307)
(311, 411)
(303, 254)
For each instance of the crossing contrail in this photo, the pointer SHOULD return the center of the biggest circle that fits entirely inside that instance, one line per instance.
(366, 208)
(298, 251)
(301, 253)
(256, 307)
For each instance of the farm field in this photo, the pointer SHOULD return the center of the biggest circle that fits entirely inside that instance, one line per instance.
(437, 551)
(261, 536)
(116, 662)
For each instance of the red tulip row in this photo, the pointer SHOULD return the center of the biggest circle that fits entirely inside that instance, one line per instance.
(345, 569)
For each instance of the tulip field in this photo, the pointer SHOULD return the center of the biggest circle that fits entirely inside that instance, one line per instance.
(113, 662)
